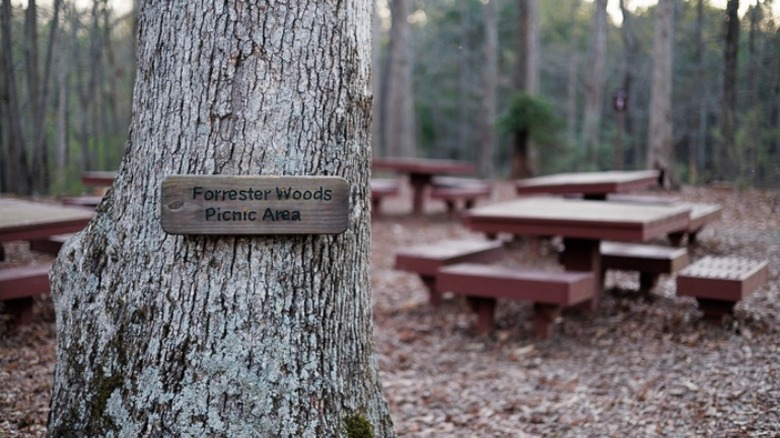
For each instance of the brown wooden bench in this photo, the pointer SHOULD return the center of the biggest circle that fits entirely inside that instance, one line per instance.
(18, 286)
(425, 260)
(453, 190)
(484, 284)
(701, 213)
(718, 283)
(649, 260)
(380, 189)
(51, 245)
(82, 201)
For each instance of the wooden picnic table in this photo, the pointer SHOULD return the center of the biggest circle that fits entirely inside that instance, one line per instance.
(592, 185)
(29, 220)
(421, 172)
(98, 178)
(582, 224)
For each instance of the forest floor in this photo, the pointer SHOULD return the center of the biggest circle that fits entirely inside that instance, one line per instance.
(638, 366)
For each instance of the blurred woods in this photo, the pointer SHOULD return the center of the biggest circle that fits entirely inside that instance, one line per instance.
(66, 92)
(445, 76)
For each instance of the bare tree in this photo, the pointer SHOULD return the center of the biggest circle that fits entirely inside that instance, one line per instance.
(400, 137)
(660, 151)
(594, 88)
(270, 335)
(526, 81)
(727, 155)
(487, 135)
(630, 55)
(16, 168)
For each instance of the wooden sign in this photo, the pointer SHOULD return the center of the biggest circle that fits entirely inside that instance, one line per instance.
(228, 205)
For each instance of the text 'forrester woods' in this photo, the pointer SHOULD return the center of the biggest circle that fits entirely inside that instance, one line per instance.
(254, 205)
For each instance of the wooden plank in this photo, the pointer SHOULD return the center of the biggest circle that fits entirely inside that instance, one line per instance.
(575, 218)
(246, 205)
(27, 220)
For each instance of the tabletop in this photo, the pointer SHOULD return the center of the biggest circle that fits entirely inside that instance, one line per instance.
(597, 220)
(423, 165)
(597, 184)
(27, 220)
(98, 178)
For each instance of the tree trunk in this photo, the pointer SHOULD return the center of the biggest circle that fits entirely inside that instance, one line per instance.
(16, 167)
(630, 51)
(660, 150)
(571, 76)
(399, 120)
(487, 147)
(696, 149)
(527, 80)
(594, 87)
(521, 161)
(163, 335)
(727, 156)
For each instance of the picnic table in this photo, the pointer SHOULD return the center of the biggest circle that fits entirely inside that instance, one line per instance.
(421, 172)
(591, 185)
(31, 221)
(583, 225)
(98, 178)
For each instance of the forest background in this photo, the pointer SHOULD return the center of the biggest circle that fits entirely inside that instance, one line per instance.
(445, 74)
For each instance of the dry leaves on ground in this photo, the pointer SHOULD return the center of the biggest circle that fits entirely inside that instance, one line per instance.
(645, 366)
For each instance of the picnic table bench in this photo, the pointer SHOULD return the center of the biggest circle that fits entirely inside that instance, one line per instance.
(18, 286)
(425, 260)
(453, 190)
(380, 189)
(484, 284)
(421, 172)
(700, 213)
(718, 283)
(649, 260)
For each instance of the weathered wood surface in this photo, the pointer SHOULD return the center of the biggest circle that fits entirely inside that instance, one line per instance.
(26, 220)
(577, 218)
(233, 205)
(598, 184)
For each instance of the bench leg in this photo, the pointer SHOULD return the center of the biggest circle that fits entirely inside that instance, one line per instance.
(544, 319)
(451, 208)
(484, 308)
(647, 281)
(715, 310)
(584, 255)
(21, 309)
(692, 237)
(434, 296)
(676, 238)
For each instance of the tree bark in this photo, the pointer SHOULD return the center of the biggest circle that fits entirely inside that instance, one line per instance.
(660, 150)
(163, 335)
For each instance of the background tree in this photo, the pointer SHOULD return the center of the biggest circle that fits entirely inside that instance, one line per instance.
(526, 81)
(660, 153)
(399, 119)
(728, 123)
(162, 335)
(487, 135)
(594, 90)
